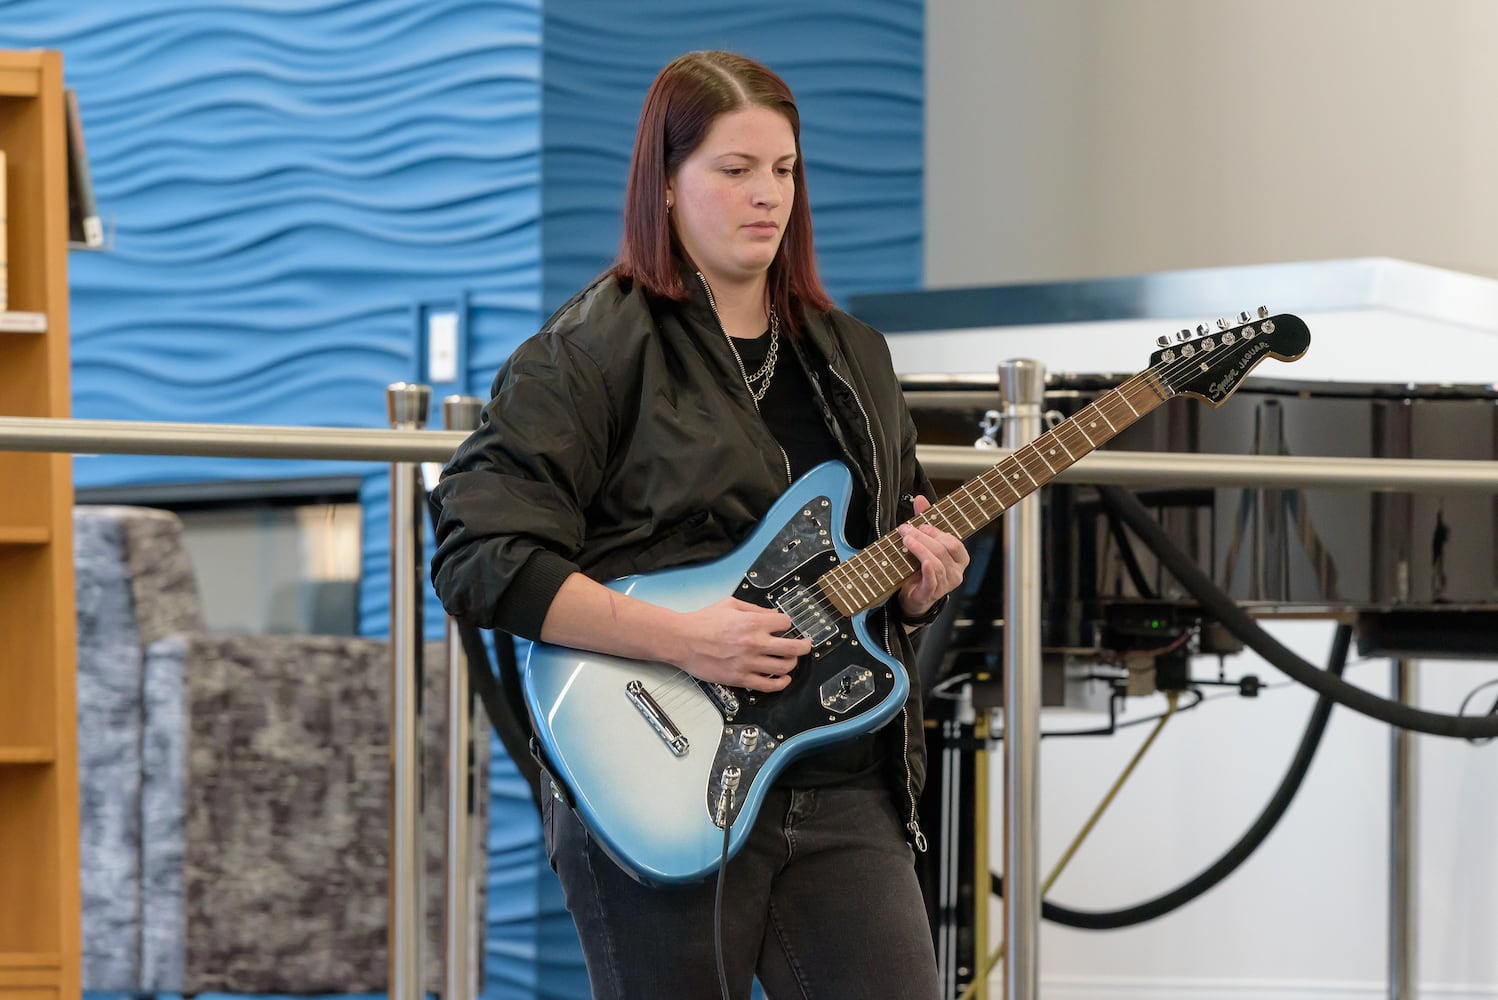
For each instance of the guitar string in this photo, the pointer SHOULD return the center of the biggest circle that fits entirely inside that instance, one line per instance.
(814, 602)
(879, 548)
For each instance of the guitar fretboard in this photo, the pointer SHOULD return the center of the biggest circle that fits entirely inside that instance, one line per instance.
(879, 570)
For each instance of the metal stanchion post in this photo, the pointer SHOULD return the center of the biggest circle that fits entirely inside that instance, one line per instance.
(1404, 906)
(407, 405)
(1022, 385)
(460, 970)
(982, 863)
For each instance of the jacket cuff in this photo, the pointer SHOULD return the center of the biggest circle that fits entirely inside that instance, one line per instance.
(531, 592)
(923, 619)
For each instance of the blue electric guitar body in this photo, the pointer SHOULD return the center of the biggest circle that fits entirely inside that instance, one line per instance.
(656, 762)
(644, 748)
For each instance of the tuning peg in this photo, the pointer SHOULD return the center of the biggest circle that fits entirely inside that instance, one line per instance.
(1163, 340)
(1202, 329)
(1244, 317)
(1263, 312)
(1183, 335)
(1223, 324)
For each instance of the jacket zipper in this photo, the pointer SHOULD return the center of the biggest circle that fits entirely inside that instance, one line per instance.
(713, 304)
(912, 825)
(874, 452)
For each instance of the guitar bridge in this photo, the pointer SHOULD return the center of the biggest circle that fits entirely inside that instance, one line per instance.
(726, 700)
(643, 700)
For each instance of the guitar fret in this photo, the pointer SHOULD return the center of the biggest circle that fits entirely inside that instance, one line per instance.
(894, 559)
(975, 503)
(882, 561)
(855, 586)
(1127, 403)
(845, 584)
(1048, 465)
(939, 511)
(864, 577)
(970, 525)
(988, 496)
(1008, 478)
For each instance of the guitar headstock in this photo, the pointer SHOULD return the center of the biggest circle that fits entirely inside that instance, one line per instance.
(1209, 364)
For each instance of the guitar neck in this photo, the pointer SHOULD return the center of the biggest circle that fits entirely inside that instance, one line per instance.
(870, 577)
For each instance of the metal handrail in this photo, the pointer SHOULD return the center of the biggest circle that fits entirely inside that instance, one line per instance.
(1122, 468)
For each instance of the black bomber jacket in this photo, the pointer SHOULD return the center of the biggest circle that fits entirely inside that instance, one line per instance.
(621, 439)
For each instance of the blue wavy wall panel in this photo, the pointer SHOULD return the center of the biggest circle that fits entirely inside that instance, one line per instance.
(856, 67)
(287, 180)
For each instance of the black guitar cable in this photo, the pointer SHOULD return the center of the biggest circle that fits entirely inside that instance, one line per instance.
(718, 916)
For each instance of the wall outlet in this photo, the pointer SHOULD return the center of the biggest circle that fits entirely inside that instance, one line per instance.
(442, 347)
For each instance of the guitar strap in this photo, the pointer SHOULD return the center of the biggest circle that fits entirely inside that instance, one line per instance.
(549, 783)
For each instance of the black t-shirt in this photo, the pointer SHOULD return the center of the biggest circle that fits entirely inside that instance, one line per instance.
(790, 410)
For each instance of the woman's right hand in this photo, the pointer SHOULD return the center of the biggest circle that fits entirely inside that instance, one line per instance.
(739, 644)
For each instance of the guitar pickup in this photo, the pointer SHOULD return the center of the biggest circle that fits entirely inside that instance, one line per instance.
(811, 617)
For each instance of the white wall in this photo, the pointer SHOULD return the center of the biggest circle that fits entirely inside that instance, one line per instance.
(1081, 138)
(1306, 915)
(1078, 138)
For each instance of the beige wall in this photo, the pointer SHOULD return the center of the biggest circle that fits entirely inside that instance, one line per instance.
(1077, 138)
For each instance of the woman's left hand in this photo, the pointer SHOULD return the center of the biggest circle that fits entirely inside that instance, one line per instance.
(943, 558)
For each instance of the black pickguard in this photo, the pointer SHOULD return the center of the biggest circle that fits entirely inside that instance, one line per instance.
(839, 680)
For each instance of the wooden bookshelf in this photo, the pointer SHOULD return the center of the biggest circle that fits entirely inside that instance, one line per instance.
(39, 901)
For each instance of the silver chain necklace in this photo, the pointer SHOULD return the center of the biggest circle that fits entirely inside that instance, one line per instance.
(767, 370)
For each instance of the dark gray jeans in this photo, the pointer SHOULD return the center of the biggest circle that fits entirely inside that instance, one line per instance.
(822, 902)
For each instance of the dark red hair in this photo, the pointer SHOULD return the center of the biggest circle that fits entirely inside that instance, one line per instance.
(682, 104)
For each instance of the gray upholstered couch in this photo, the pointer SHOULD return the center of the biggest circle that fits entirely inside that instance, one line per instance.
(234, 788)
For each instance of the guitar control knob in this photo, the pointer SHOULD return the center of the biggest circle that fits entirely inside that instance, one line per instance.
(1163, 340)
(1263, 312)
(749, 738)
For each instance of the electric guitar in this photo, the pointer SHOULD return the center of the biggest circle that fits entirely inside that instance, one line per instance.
(658, 763)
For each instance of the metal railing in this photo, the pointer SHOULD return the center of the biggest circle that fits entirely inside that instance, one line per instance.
(1120, 468)
(401, 447)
